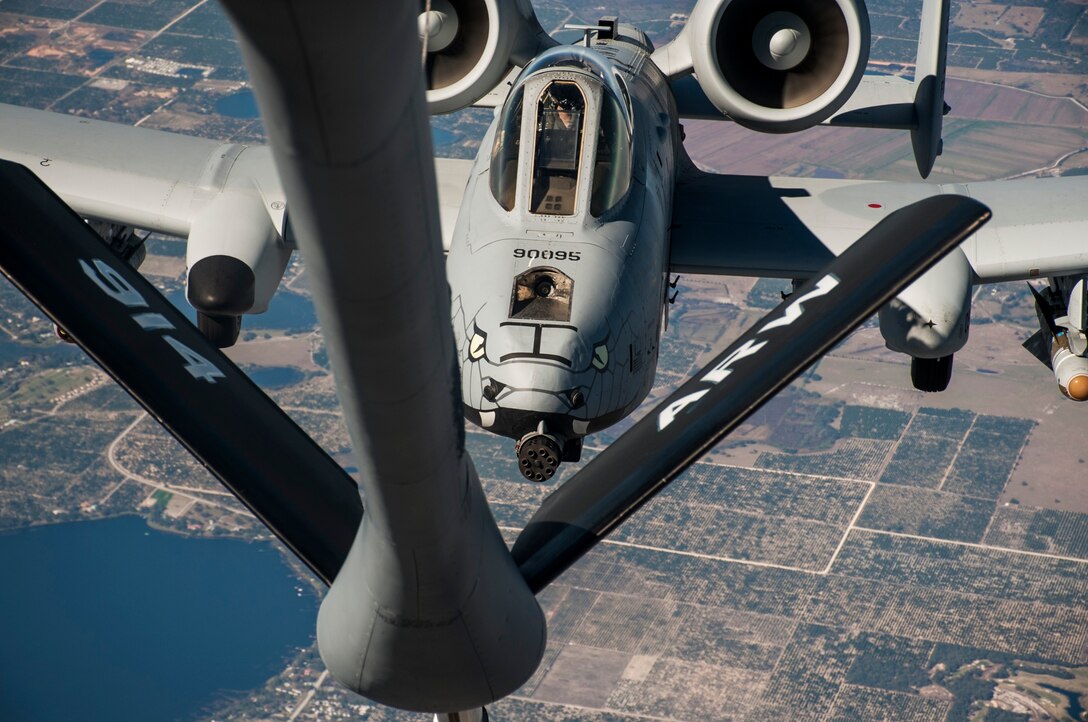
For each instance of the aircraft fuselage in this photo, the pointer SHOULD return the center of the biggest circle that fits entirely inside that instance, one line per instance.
(558, 263)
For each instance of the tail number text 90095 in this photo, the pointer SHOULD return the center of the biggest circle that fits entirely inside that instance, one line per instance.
(547, 255)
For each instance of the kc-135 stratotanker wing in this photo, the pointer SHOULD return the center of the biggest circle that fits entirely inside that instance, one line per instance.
(560, 238)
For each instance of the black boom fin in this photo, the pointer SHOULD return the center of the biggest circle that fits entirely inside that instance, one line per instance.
(167, 365)
(738, 381)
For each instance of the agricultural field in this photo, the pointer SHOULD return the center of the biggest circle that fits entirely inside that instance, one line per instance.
(855, 551)
(828, 586)
(1007, 19)
(866, 559)
(976, 149)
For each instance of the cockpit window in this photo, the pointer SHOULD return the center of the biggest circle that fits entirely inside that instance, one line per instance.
(585, 60)
(612, 165)
(504, 154)
(560, 119)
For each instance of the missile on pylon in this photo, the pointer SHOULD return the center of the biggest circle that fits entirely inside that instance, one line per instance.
(1070, 370)
(1061, 342)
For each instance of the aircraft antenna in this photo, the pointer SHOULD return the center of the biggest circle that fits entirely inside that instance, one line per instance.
(589, 30)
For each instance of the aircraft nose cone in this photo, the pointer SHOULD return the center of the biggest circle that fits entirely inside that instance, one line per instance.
(1078, 388)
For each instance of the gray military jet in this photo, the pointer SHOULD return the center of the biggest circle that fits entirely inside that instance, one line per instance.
(568, 225)
(563, 232)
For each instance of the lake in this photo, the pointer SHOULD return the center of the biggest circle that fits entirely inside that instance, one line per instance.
(100, 56)
(441, 137)
(274, 377)
(113, 621)
(238, 105)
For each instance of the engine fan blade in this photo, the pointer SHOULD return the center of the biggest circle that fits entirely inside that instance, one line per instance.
(742, 378)
(184, 381)
(454, 60)
(817, 73)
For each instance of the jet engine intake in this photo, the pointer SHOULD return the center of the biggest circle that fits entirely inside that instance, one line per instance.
(782, 66)
(470, 45)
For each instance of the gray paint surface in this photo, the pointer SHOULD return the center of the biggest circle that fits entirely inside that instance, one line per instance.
(429, 612)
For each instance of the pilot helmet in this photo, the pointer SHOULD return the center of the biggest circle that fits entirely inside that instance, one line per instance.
(564, 96)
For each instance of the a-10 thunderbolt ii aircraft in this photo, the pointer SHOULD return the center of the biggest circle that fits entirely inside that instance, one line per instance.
(563, 232)
(570, 221)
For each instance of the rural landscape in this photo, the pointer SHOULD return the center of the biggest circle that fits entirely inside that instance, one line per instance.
(857, 551)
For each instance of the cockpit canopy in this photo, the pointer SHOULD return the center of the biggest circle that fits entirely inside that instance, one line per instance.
(572, 111)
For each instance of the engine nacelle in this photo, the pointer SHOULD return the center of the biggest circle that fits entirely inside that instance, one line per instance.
(472, 44)
(931, 318)
(779, 67)
(235, 226)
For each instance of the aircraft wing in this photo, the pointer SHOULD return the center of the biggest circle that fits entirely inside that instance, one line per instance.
(149, 179)
(791, 227)
(880, 101)
(157, 180)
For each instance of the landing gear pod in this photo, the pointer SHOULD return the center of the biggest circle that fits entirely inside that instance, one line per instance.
(930, 320)
(931, 374)
(779, 69)
(221, 289)
(223, 331)
(236, 257)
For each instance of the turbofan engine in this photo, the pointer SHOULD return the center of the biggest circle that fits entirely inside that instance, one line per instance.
(779, 66)
(470, 45)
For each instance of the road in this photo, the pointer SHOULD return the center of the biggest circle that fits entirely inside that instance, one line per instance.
(851, 527)
(306, 698)
(187, 491)
(120, 59)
